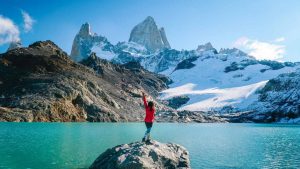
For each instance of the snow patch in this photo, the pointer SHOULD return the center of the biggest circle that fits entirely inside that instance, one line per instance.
(102, 53)
(213, 98)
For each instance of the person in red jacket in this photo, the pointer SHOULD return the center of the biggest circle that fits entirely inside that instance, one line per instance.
(149, 118)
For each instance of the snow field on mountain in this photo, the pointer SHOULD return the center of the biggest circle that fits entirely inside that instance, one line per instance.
(210, 88)
(98, 49)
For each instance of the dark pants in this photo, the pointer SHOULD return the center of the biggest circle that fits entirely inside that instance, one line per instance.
(148, 126)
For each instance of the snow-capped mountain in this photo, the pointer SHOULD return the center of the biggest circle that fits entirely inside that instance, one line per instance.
(86, 42)
(145, 39)
(204, 79)
(223, 81)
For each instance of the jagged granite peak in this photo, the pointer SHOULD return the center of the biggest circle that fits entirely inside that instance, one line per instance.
(205, 47)
(86, 42)
(85, 29)
(148, 34)
(14, 45)
(164, 37)
(233, 51)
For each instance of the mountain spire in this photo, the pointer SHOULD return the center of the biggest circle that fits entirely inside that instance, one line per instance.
(85, 29)
(148, 34)
(86, 42)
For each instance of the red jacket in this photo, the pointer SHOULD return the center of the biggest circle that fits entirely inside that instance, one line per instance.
(149, 113)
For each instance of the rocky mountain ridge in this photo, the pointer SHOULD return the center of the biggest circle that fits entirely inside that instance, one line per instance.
(41, 83)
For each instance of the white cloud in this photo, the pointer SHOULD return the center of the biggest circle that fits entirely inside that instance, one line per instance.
(261, 50)
(8, 31)
(280, 39)
(28, 21)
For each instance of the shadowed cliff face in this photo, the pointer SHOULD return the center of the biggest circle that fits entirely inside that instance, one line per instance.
(41, 83)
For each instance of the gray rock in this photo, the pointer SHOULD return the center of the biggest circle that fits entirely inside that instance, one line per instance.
(164, 37)
(139, 155)
(148, 34)
(178, 101)
(279, 99)
(186, 64)
(206, 47)
(190, 117)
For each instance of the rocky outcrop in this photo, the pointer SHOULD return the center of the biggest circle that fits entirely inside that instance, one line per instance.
(234, 51)
(140, 155)
(186, 64)
(278, 100)
(178, 101)
(191, 117)
(41, 83)
(207, 47)
(148, 34)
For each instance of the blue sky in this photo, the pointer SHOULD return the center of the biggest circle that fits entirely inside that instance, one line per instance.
(268, 29)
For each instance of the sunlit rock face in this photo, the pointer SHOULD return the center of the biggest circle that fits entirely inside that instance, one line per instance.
(148, 34)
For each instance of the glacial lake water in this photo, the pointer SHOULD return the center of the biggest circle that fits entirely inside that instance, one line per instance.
(77, 145)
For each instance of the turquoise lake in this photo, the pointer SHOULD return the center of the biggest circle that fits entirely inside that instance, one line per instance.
(77, 145)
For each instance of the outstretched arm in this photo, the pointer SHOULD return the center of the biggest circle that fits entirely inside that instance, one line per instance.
(145, 101)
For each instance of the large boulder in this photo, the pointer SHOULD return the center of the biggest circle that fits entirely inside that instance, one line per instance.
(139, 155)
